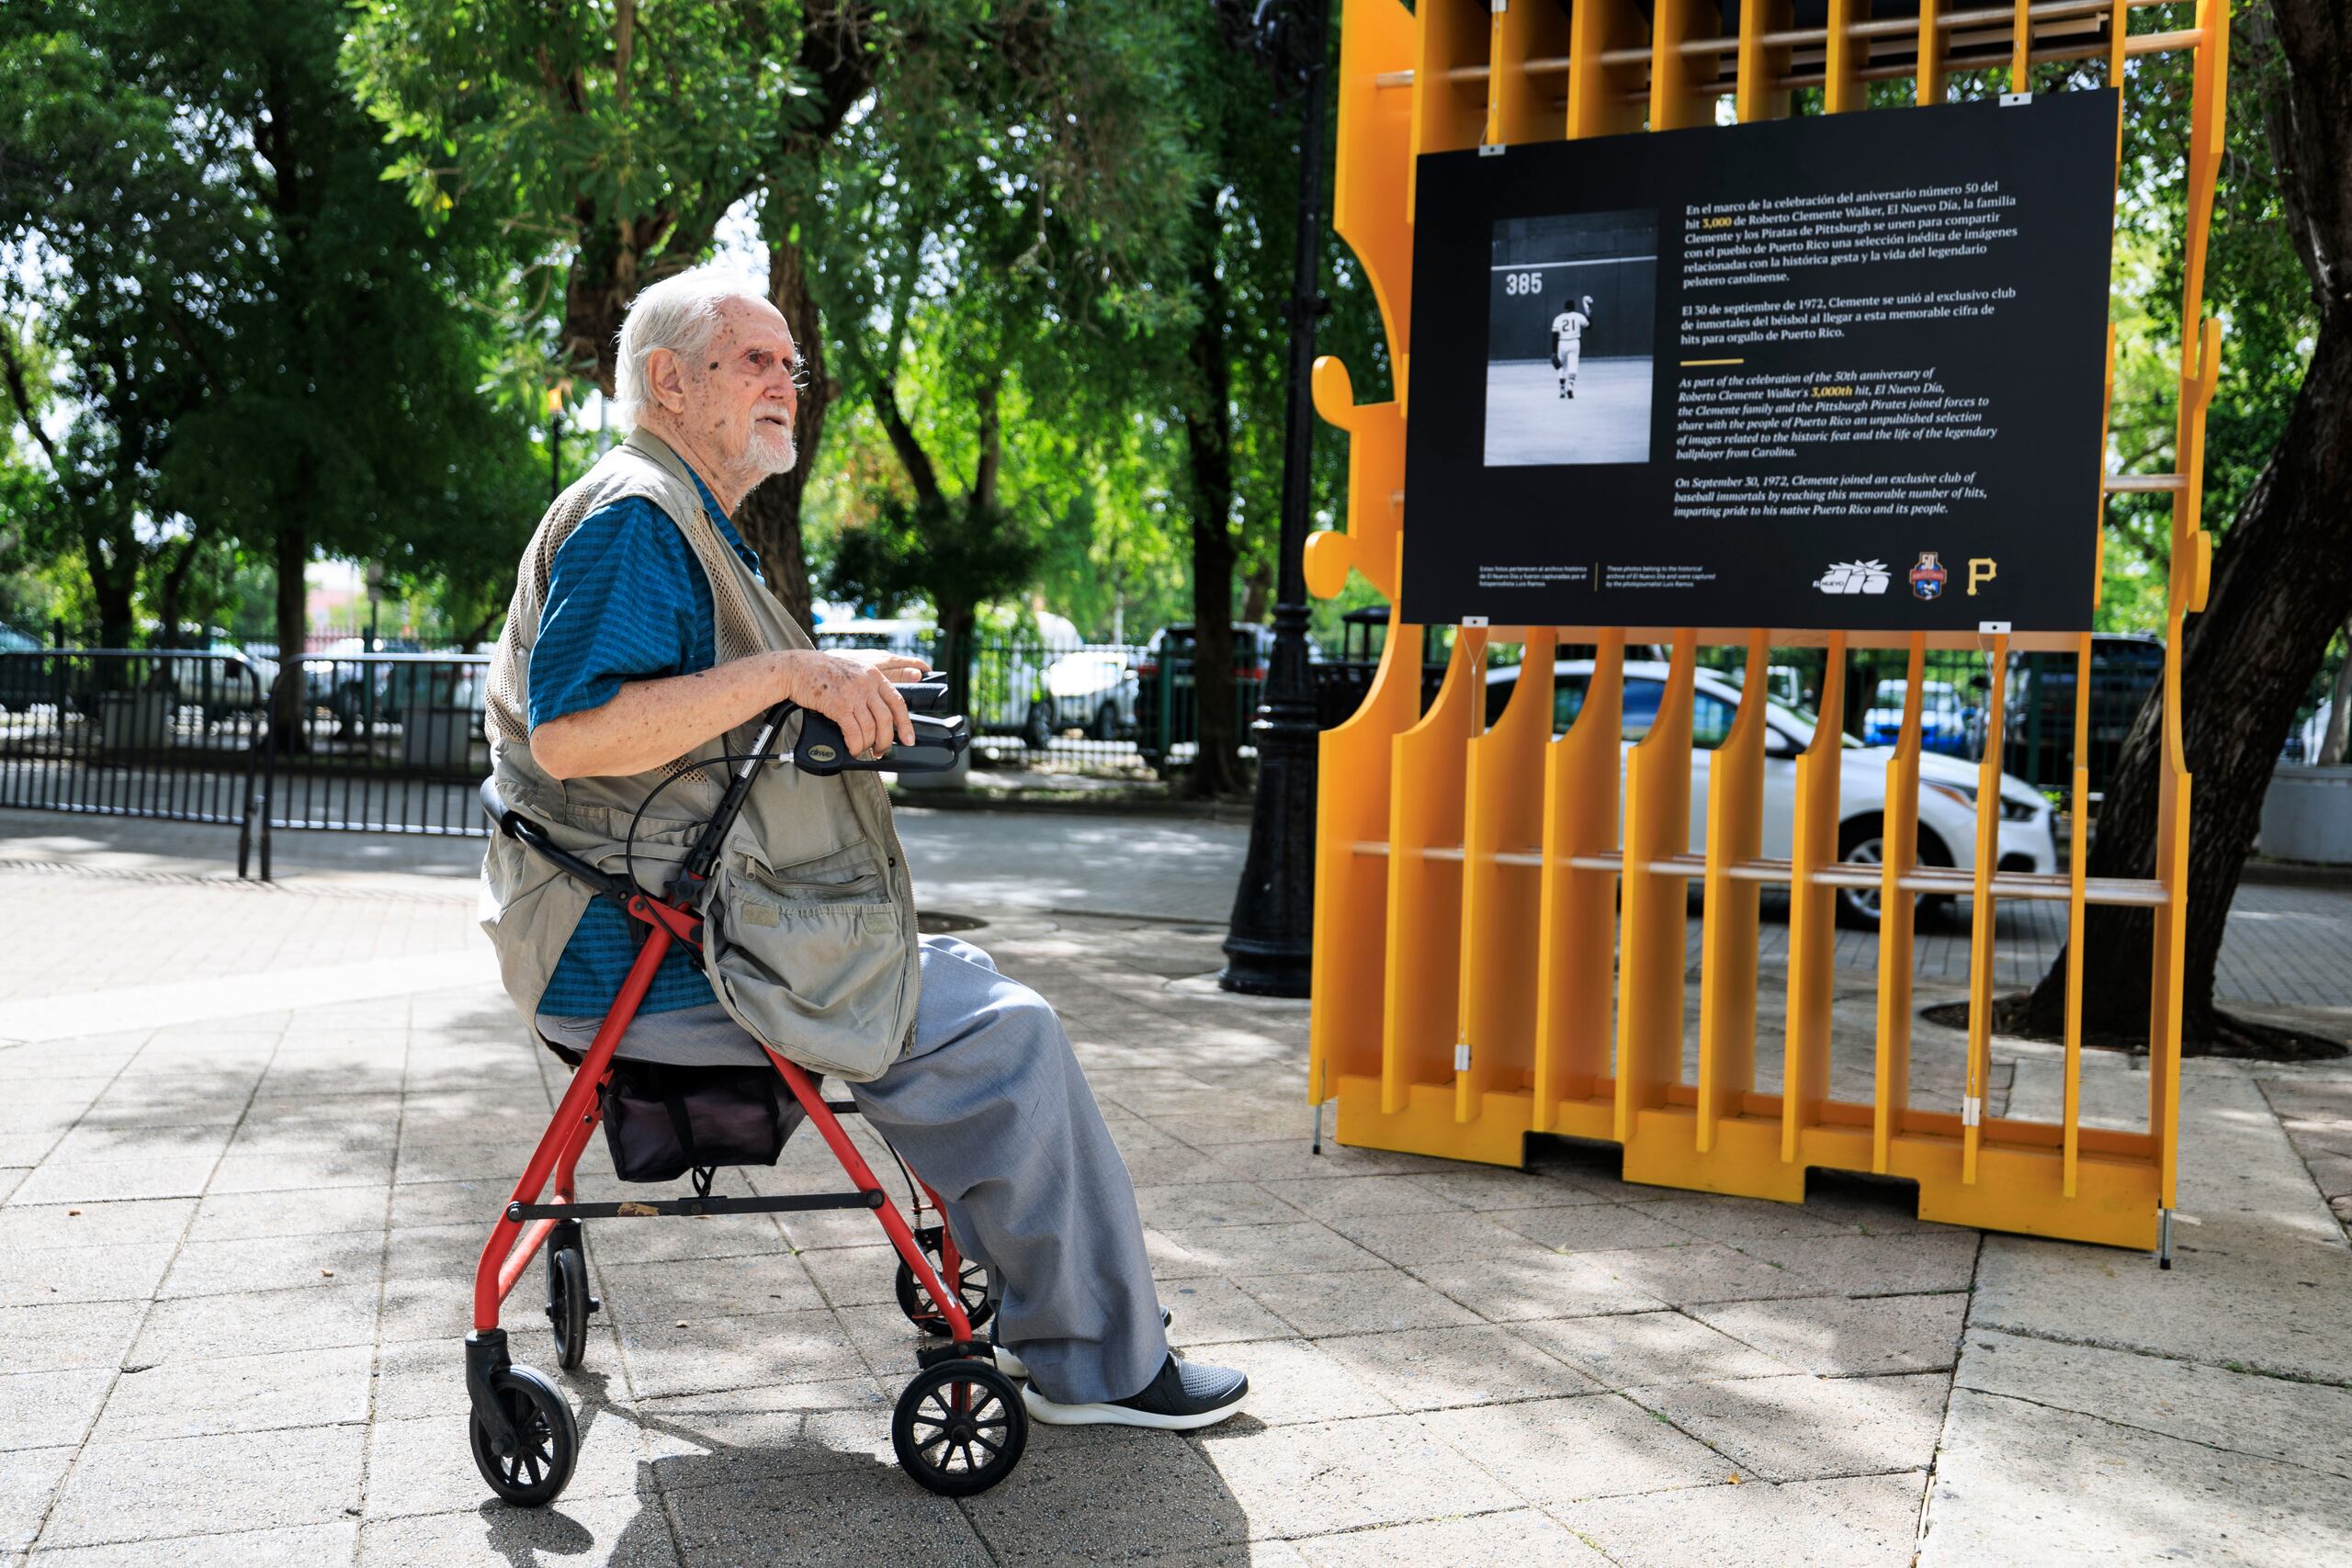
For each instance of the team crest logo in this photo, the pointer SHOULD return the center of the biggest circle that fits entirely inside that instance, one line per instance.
(1928, 577)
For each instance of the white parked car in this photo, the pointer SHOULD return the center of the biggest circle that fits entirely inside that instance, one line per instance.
(1947, 786)
(1093, 689)
(233, 680)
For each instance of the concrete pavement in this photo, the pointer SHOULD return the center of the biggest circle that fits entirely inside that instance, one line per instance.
(251, 1139)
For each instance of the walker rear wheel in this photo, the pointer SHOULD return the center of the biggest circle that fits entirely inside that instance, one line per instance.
(959, 1428)
(569, 1303)
(547, 1439)
(973, 1286)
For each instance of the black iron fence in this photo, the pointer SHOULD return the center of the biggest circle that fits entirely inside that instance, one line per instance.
(171, 736)
(381, 743)
(392, 742)
(1129, 710)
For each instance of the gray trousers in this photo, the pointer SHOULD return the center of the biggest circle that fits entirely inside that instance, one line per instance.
(990, 1109)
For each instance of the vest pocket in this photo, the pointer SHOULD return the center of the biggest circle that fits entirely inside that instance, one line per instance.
(812, 957)
(846, 877)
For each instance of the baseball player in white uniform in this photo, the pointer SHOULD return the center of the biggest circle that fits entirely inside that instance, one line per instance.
(1567, 341)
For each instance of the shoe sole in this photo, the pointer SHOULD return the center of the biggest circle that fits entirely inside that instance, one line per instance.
(1043, 1409)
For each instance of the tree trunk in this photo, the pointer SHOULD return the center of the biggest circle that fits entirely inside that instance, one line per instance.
(1258, 593)
(2339, 708)
(952, 651)
(290, 703)
(176, 576)
(110, 590)
(2279, 589)
(2279, 593)
(1208, 439)
(769, 518)
(833, 53)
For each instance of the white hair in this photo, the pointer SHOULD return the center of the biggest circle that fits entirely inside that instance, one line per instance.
(679, 314)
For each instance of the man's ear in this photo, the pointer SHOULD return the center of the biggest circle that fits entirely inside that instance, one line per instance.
(665, 378)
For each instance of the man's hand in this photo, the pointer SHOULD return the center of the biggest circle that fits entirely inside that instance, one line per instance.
(897, 667)
(854, 689)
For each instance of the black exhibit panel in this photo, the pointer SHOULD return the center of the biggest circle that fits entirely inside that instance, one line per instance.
(1842, 372)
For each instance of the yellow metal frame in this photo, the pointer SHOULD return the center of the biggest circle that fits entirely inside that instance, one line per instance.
(1499, 940)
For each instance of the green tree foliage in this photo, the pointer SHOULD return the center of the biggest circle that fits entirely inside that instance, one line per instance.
(1226, 397)
(2254, 284)
(104, 229)
(993, 257)
(255, 338)
(609, 137)
(1002, 168)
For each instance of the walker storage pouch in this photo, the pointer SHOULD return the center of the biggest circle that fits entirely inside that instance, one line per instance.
(662, 1122)
(810, 957)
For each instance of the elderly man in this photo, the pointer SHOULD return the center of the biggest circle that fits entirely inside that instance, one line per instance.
(641, 645)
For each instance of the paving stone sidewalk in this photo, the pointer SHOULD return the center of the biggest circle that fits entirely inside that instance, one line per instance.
(249, 1151)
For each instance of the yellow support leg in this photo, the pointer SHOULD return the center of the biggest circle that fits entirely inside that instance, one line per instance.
(1980, 936)
(1576, 923)
(1728, 917)
(1897, 915)
(1424, 948)
(1500, 895)
(1812, 937)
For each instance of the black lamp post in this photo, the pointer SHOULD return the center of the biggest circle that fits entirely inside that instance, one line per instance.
(1269, 951)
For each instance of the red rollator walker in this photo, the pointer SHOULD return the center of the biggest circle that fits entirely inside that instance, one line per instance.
(959, 1427)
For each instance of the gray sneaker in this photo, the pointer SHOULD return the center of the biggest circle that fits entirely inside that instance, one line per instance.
(1013, 1365)
(1184, 1396)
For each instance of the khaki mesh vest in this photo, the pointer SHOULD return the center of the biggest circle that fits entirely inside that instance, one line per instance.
(808, 927)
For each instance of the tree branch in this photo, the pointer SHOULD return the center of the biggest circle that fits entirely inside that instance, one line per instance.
(624, 45)
(911, 456)
(15, 372)
(984, 477)
(177, 325)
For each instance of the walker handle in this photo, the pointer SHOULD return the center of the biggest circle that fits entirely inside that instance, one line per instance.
(705, 855)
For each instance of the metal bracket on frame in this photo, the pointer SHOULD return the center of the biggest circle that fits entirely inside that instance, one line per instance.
(1971, 1110)
(1462, 1058)
(2015, 100)
(2163, 1238)
(1492, 148)
(1468, 621)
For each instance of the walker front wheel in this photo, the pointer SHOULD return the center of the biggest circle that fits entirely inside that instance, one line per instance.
(546, 1440)
(959, 1428)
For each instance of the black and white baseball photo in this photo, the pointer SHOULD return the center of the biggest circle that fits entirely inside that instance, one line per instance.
(1572, 306)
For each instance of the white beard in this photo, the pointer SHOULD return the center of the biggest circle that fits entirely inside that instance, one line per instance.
(770, 449)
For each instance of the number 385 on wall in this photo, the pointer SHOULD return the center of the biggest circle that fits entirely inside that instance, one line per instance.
(1523, 283)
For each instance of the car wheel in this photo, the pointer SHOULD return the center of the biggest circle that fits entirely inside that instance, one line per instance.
(1037, 731)
(1106, 722)
(350, 707)
(1932, 852)
(1863, 841)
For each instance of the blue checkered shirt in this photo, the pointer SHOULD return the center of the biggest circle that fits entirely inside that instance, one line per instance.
(625, 600)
